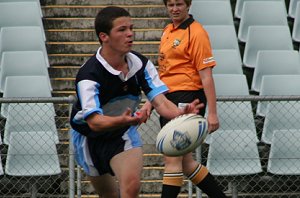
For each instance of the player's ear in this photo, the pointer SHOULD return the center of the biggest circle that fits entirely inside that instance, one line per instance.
(103, 36)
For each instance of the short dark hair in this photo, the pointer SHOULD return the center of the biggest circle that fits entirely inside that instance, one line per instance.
(188, 2)
(106, 16)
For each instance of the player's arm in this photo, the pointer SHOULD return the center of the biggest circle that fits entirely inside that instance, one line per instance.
(169, 110)
(210, 93)
(98, 122)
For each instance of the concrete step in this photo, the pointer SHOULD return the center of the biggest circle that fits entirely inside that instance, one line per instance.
(78, 35)
(70, 60)
(92, 10)
(148, 47)
(103, 2)
(59, 22)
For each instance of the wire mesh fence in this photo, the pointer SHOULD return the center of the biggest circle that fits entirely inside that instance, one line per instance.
(255, 153)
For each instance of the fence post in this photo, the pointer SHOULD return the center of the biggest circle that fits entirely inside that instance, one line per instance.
(71, 163)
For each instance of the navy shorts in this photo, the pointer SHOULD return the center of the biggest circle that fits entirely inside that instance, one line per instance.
(185, 97)
(94, 154)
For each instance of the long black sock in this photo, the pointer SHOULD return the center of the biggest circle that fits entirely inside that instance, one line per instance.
(210, 186)
(170, 191)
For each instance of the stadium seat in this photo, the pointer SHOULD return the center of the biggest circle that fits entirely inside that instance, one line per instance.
(25, 38)
(233, 153)
(239, 6)
(32, 154)
(37, 1)
(296, 27)
(266, 13)
(222, 36)
(228, 61)
(284, 157)
(237, 115)
(24, 117)
(212, 12)
(26, 86)
(29, 14)
(277, 85)
(278, 62)
(265, 38)
(1, 168)
(22, 63)
(292, 8)
(280, 115)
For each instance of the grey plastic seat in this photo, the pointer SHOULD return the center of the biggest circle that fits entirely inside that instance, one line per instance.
(232, 153)
(239, 6)
(212, 12)
(292, 8)
(281, 115)
(1, 168)
(278, 62)
(29, 14)
(32, 153)
(266, 13)
(25, 38)
(26, 86)
(277, 85)
(265, 38)
(296, 27)
(222, 36)
(233, 116)
(22, 63)
(228, 61)
(284, 158)
(37, 2)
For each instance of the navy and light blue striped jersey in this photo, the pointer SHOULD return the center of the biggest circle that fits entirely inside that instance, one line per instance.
(102, 89)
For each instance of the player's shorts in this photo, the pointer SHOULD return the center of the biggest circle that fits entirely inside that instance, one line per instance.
(94, 154)
(181, 97)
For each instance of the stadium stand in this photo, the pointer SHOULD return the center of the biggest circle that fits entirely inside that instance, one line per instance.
(265, 38)
(228, 61)
(275, 121)
(36, 1)
(271, 62)
(296, 27)
(23, 38)
(266, 13)
(239, 6)
(292, 8)
(212, 12)
(284, 153)
(29, 14)
(22, 63)
(272, 85)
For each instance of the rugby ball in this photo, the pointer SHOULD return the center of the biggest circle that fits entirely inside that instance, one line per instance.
(182, 135)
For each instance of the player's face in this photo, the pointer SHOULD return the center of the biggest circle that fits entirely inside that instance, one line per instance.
(178, 11)
(120, 38)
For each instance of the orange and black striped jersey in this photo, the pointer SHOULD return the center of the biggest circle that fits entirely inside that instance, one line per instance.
(183, 52)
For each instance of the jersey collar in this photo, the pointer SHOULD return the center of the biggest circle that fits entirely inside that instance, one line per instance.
(186, 23)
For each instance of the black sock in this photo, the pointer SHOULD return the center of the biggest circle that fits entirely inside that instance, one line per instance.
(210, 186)
(170, 191)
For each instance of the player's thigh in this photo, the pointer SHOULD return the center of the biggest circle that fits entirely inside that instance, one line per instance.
(105, 185)
(128, 164)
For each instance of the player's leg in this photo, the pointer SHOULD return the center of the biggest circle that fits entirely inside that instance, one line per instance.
(105, 186)
(200, 176)
(127, 167)
(173, 177)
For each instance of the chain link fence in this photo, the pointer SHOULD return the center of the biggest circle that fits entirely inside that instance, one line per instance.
(255, 153)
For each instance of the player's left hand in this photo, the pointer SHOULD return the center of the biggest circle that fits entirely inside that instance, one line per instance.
(213, 122)
(193, 107)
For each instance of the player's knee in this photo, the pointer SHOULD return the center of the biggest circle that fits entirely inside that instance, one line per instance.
(132, 187)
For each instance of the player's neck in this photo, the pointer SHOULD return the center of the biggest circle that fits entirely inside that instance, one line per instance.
(116, 60)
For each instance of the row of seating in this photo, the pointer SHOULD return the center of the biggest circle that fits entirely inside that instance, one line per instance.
(30, 128)
(233, 149)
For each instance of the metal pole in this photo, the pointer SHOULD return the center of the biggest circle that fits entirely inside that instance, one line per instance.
(71, 163)
(198, 158)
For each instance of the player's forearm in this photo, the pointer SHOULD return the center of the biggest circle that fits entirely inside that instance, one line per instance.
(166, 108)
(102, 123)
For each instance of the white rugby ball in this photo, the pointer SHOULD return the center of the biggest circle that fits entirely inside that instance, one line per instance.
(182, 135)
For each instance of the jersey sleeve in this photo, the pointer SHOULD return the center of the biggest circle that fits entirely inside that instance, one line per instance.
(200, 49)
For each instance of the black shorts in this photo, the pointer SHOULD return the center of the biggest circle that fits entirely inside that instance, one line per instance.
(185, 97)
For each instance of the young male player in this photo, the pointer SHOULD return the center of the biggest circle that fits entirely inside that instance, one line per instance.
(108, 87)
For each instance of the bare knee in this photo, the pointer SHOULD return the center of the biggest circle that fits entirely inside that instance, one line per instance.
(131, 187)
